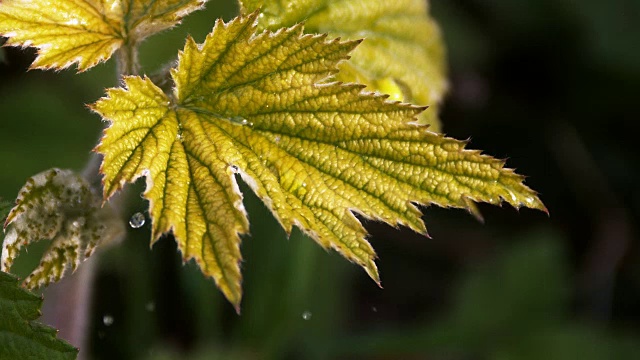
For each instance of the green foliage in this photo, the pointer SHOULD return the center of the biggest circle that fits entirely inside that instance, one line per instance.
(20, 336)
(268, 106)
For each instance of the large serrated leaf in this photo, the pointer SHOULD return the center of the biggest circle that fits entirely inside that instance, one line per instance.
(403, 51)
(261, 106)
(86, 32)
(20, 336)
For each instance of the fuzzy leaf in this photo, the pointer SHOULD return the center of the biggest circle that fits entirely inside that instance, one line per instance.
(85, 32)
(20, 336)
(58, 205)
(402, 55)
(314, 151)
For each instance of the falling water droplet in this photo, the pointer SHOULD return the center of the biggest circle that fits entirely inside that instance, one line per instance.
(107, 320)
(374, 309)
(150, 307)
(137, 220)
(306, 315)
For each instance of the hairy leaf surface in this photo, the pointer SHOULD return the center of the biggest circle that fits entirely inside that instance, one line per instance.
(85, 32)
(20, 336)
(261, 106)
(403, 52)
(58, 205)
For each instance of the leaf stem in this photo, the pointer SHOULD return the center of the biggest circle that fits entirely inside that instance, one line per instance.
(127, 59)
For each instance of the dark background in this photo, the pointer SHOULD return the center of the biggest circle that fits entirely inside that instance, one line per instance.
(552, 85)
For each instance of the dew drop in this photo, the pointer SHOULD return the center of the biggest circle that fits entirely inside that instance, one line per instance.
(137, 220)
(306, 315)
(240, 120)
(150, 307)
(107, 320)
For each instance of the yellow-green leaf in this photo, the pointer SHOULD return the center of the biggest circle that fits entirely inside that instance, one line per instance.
(403, 52)
(85, 32)
(58, 205)
(262, 107)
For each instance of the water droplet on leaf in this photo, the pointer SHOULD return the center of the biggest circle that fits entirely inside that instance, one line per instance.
(137, 220)
(107, 320)
(306, 315)
(240, 120)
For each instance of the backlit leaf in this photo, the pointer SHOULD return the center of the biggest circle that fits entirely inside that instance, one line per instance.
(261, 106)
(20, 336)
(403, 52)
(85, 32)
(59, 205)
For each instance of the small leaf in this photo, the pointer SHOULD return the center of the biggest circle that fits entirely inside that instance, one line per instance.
(86, 32)
(260, 106)
(403, 52)
(22, 337)
(58, 205)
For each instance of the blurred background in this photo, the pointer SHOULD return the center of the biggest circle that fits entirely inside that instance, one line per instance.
(552, 85)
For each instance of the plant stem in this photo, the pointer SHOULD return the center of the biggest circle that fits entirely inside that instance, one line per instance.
(67, 305)
(127, 60)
